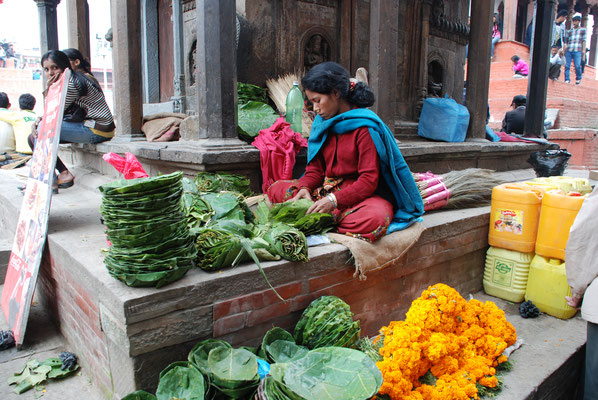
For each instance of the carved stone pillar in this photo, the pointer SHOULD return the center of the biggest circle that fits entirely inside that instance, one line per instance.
(216, 80)
(584, 16)
(178, 104)
(538, 77)
(510, 20)
(48, 25)
(77, 14)
(384, 25)
(126, 61)
(571, 10)
(478, 67)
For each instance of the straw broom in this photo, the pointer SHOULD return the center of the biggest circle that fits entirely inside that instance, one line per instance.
(471, 187)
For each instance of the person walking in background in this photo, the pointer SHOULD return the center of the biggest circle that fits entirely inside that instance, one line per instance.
(575, 49)
(495, 34)
(21, 122)
(520, 67)
(557, 60)
(581, 265)
(559, 30)
(2, 56)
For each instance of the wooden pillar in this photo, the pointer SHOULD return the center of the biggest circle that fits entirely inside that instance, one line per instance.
(216, 80)
(538, 78)
(77, 15)
(48, 25)
(384, 25)
(478, 68)
(593, 38)
(126, 62)
(510, 19)
(571, 10)
(584, 16)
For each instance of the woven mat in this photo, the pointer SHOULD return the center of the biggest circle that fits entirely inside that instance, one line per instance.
(382, 253)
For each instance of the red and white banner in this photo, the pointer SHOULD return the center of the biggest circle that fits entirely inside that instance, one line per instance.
(32, 227)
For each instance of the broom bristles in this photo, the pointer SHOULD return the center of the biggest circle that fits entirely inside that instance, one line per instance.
(278, 89)
(471, 187)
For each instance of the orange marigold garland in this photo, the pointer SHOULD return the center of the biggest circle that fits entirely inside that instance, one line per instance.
(459, 342)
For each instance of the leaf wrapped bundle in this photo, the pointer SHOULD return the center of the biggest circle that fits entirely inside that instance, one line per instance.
(294, 213)
(227, 205)
(233, 372)
(197, 210)
(327, 321)
(181, 380)
(247, 92)
(222, 182)
(252, 117)
(279, 345)
(151, 245)
(284, 240)
(325, 373)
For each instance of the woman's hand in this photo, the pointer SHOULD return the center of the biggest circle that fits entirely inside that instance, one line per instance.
(324, 205)
(52, 79)
(301, 194)
(573, 301)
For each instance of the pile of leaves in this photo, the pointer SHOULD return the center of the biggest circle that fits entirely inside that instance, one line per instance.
(146, 225)
(216, 370)
(328, 321)
(253, 112)
(35, 373)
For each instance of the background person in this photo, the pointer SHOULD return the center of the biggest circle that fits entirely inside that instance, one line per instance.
(21, 122)
(7, 137)
(514, 121)
(520, 67)
(87, 118)
(557, 60)
(80, 63)
(575, 49)
(495, 34)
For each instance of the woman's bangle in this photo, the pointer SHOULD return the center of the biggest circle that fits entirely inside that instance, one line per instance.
(332, 198)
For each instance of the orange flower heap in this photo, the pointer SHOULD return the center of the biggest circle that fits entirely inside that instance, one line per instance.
(459, 342)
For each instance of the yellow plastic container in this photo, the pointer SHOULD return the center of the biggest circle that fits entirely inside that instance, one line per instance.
(543, 184)
(550, 184)
(547, 287)
(505, 274)
(514, 216)
(556, 217)
(581, 185)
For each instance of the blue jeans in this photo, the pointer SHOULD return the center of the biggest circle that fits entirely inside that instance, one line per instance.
(76, 132)
(591, 373)
(576, 55)
(494, 41)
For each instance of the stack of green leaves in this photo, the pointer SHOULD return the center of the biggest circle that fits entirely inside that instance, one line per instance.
(231, 372)
(279, 346)
(327, 321)
(222, 182)
(151, 244)
(324, 373)
(294, 213)
(252, 117)
(247, 92)
(197, 210)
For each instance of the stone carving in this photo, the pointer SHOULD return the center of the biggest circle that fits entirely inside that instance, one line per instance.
(188, 5)
(440, 21)
(317, 50)
(192, 63)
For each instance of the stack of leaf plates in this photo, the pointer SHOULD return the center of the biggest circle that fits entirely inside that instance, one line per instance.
(145, 223)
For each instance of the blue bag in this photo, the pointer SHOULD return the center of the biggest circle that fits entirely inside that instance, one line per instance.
(491, 136)
(443, 119)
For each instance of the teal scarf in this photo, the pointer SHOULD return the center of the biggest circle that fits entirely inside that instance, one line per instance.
(408, 204)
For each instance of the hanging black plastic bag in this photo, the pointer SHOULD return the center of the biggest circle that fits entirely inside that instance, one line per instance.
(549, 162)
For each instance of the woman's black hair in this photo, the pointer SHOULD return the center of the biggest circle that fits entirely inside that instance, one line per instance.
(63, 62)
(58, 58)
(515, 58)
(329, 76)
(74, 54)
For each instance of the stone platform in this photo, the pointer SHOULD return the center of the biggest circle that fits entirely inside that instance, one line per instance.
(125, 336)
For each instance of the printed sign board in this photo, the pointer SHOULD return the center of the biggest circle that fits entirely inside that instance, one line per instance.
(32, 226)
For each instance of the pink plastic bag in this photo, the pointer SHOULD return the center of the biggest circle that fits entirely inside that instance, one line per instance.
(129, 166)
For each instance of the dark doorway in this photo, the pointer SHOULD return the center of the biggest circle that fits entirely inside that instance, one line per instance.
(165, 46)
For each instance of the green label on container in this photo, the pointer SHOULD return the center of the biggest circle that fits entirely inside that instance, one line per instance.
(503, 272)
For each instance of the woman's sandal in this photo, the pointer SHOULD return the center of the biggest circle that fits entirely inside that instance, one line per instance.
(66, 183)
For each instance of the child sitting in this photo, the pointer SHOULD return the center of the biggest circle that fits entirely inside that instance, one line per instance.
(520, 67)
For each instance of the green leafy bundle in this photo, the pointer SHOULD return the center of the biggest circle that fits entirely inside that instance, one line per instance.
(294, 213)
(151, 244)
(181, 380)
(327, 321)
(222, 182)
(247, 92)
(284, 240)
(254, 116)
(325, 373)
(231, 372)
(35, 373)
(279, 346)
